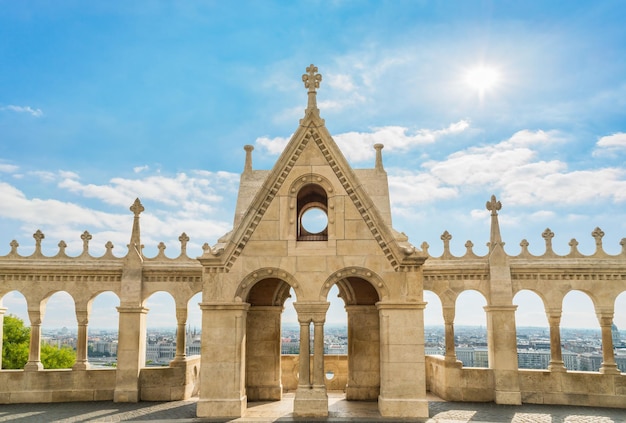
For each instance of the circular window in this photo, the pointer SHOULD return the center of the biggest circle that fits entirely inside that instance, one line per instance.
(314, 220)
(330, 375)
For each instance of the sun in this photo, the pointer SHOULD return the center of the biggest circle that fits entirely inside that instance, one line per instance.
(482, 78)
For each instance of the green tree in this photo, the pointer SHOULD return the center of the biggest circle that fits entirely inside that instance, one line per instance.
(57, 358)
(15, 341)
(15, 346)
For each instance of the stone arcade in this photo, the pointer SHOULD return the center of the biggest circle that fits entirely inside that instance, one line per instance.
(246, 277)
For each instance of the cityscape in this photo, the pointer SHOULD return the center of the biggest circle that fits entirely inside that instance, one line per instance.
(581, 348)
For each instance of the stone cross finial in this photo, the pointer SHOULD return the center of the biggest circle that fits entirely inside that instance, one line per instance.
(184, 239)
(86, 237)
(547, 235)
(598, 234)
(493, 206)
(38, 237)
(311, 78)
(137, 207)
(446, 237)
(312, 81)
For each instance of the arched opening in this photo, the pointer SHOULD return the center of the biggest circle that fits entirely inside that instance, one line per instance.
(15, 331)
(312, 213)
(470, 342)
(533, 331)
(580, 333)
(618, 332)
(103, 329)
(434, 329)
(59, 332)
(263, 339)
(161, 328)
(194, 325)
(360, 298)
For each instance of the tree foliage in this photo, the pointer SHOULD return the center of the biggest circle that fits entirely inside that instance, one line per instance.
(15, 346)
(15, 340)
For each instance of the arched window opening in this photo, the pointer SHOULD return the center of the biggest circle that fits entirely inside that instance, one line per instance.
(161, 326)
(15, 330)
(434, 330)
(102, 338)
(581, 337)
(619, 332)
(59, 332)
(312, 210)
(470, 334)
(194, 325)
(533, 331)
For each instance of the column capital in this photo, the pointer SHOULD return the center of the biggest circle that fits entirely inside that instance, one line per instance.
(224, 306)
(415, 305)
(311, 311)
(132, 309)
(496, 308)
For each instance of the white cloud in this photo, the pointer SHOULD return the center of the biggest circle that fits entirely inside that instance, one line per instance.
(181, 190)
(8, 168)
(511, 167)
(139, 169)
(358, 146)
(610, 145)
(23, 109)
(272, 145)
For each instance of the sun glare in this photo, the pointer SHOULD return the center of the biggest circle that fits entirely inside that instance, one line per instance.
(482, 78)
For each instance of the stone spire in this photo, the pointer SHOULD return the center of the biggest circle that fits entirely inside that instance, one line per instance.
(135, 237)
(494, 237)
(312, 81)
(379, 157)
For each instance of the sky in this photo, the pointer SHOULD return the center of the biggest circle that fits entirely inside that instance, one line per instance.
(103, 102)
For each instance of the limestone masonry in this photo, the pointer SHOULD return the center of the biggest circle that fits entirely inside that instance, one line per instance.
(247, 275)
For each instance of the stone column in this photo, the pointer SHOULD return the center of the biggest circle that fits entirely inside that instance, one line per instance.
(556, 353)
(34, 352)
(318, 355)
(82, 363)
(402, 360)
(502, 344)
(181, 334)
(311, 399)
(448, 317)
(605, 317)
(363, 353)
(223, 372)
(131, 352)
(263, 344)
(3, 310)
(304, 358)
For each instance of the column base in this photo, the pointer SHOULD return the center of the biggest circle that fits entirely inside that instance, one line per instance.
(310, 403)
(83, 365)
(508, 398)
(392, 407)
(216, 408)
(610, 369)
(557, 366)
(33, 366)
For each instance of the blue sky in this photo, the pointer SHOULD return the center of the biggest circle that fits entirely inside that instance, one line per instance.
(104, 102)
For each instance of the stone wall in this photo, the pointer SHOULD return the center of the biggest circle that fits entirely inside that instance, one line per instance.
(177, 382)
(452, 382)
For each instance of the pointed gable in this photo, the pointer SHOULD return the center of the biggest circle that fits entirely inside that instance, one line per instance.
(310, 151)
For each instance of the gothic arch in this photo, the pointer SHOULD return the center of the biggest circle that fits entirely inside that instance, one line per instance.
(311, 191)
(282, 290)
(346, 289)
